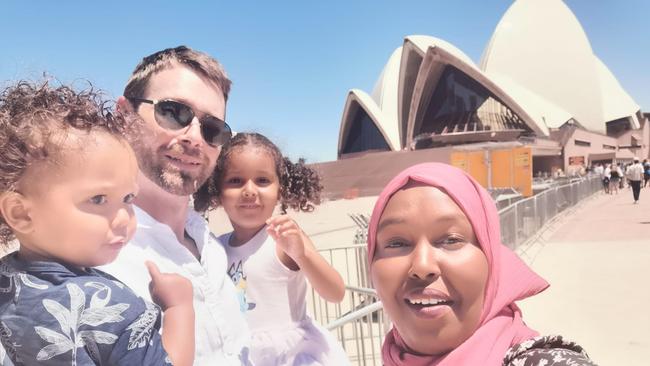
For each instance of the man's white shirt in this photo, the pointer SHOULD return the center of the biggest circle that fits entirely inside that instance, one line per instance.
(222, 336)
(635, 172)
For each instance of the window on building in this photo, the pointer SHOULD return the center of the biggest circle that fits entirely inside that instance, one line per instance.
(618, 126)
(582, 143)
(609, 147)
(459, 101)
(364, 135)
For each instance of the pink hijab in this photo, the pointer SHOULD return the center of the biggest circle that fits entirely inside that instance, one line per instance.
(509, 279)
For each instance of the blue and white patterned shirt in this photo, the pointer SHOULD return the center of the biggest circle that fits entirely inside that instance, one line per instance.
(59, 315)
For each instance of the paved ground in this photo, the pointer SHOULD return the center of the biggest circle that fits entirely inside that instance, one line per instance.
(597, 260)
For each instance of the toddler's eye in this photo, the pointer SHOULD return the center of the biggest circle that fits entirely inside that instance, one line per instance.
(263, 180)
(233, 180)
(129, 198)
(99, 199)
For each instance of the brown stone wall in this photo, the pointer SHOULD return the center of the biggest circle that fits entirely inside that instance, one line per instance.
(366, 175)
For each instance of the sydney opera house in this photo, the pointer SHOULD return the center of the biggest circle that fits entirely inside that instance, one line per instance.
(535, 85)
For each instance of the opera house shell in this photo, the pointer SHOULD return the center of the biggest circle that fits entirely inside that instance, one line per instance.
(534, 84)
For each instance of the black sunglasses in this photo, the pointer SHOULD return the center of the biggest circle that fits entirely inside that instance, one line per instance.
(175, 115)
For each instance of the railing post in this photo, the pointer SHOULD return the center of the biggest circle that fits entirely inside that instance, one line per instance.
(535, 213)
(516, 243)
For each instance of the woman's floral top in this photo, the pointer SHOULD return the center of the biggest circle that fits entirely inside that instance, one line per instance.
(58, 315)
(547, 351)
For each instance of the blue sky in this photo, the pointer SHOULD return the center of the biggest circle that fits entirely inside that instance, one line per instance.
(292, 62)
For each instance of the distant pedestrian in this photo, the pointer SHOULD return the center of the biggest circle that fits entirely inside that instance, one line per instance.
(615, 175)
(646, 172)
(599, 169)
(634, 175)
(607, 175)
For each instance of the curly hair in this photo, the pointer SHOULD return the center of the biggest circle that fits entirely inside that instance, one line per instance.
(300, 185)
(34, 117)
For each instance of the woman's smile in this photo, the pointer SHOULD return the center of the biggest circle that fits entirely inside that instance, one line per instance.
(428, 302)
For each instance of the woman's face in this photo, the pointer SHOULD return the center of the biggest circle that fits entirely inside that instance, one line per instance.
(428, 269)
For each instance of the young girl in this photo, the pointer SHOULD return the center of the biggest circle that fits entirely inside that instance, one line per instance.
(67, 180)
(270, 256)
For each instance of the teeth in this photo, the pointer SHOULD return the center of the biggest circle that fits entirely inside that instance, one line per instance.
(426, 301)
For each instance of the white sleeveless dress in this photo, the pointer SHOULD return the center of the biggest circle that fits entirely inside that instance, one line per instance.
(274, 300)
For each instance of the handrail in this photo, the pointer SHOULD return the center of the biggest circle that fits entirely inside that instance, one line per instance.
(352, 246)
(363, 290)
(357, 314)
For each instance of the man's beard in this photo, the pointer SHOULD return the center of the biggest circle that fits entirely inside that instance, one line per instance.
(154, 166)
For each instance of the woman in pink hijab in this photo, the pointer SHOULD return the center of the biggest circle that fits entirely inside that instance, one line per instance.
(447, 282)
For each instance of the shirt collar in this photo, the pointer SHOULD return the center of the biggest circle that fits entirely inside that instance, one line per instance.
(195, 225)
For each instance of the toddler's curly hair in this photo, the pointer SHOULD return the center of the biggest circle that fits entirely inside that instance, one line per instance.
(35, 118)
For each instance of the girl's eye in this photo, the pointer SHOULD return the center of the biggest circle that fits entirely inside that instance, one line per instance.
(129, 198)
(233, 180)
(263, 180)
(99, 199)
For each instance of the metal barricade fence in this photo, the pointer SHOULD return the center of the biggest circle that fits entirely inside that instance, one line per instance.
(359, 322)
(351, 263)
(361, 332)
(526, 217)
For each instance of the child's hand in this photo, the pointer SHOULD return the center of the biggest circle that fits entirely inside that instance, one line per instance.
(173, 293)
(288, 236)
(168, 289)
(298, 247)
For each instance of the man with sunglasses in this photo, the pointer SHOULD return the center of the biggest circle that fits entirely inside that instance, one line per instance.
(177, 99)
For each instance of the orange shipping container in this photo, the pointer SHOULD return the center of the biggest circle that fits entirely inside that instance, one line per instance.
(502, 168)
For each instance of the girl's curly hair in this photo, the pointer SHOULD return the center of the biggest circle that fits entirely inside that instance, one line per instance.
(300, 185)
(34, 121)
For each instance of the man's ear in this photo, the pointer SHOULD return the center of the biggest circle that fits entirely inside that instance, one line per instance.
(15, 210)
(124, 106)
